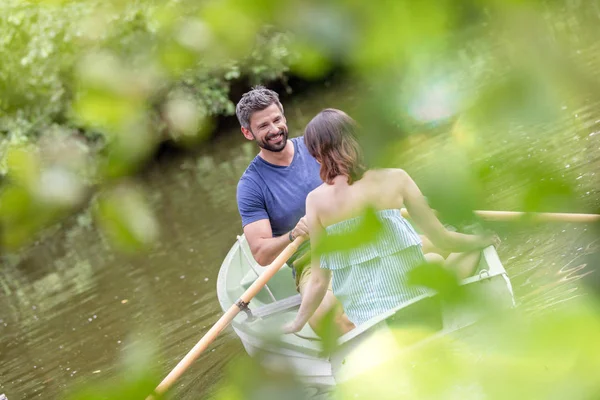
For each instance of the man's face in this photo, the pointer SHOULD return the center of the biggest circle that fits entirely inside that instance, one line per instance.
(268, 127)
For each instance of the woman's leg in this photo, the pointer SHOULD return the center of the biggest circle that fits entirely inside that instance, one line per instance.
(428, 247)
(329, 312)
(434, 258)
(463, 264)
(330, 315)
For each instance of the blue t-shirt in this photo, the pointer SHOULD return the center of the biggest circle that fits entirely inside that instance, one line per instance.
(277, 193)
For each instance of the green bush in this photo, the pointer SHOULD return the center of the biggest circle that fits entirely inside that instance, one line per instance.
(89, 88)
(43, 45)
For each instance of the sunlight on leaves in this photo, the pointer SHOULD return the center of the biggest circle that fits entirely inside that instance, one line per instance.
(440, 279)
(365, 232)
(126, 218)
(539, 357)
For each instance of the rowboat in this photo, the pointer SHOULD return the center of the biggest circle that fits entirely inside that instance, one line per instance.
(278, 302)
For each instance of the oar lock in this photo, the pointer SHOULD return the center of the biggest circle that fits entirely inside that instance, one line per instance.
(243, 306)
(482, 272)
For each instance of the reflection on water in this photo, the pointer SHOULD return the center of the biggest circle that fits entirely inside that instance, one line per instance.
(70, 306)
(549, 266)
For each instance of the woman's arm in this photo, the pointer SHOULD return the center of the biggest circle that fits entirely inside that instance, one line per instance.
(425, 219)
(316, 287)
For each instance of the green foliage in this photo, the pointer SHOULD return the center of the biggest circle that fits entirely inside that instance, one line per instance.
(440, 279)
(510, 355)
(89, 88)
(249, 379)
(43, 44)
(117, 78)
(366, 231)
(126, 218)
(127, 75)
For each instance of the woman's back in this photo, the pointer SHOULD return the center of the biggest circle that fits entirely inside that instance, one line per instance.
(379, 189)
(373, 277)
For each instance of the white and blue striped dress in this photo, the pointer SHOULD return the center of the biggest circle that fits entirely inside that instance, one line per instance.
(372, 279)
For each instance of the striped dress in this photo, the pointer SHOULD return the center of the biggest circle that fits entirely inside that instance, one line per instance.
(372, 278)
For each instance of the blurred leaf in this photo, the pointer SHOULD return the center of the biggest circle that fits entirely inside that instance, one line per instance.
(22, 216)
(328, 332)
(366, 232)
(136, 380)
(518, 97)
(397, 30)
(59, 187)
(450, 186)
(310, 62)
(186, 120)
(176, 58)
(23, 166)
(553, 355)
(100, 108)
(249, 379)
(126, 218)
(220, 17)
(128, 149)
(440, 279)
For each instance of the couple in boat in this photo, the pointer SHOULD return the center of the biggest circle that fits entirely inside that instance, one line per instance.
(371, 279)
(327, 164)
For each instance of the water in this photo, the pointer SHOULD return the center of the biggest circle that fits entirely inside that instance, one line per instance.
(70, 307)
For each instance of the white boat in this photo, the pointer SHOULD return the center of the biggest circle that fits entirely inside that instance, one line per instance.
(366, 346)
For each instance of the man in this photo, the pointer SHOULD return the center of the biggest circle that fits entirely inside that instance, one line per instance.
(271, 193)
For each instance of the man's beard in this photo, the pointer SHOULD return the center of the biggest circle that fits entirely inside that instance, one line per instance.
(274, 148)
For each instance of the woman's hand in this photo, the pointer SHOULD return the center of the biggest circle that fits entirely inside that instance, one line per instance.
(292, 327)
(491, 239)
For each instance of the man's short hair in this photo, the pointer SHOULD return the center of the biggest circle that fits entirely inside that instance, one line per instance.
(255, 100)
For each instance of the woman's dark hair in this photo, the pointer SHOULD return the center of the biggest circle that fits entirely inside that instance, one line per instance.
(330, 137)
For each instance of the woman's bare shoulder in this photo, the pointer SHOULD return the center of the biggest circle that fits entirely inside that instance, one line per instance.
(317, 193)
(388, 173)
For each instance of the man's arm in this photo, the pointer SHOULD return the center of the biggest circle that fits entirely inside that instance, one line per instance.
(264, 247)
(257, 227)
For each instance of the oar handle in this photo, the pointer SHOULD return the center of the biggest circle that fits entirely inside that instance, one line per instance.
(226, 318)
(538, 217)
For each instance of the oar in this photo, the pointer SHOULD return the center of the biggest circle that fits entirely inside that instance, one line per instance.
(538, 217)
(222, 323)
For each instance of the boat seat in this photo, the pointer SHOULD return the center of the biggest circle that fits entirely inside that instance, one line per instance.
(281, 285)
(250, 277)
(281, 306)
(277, 307)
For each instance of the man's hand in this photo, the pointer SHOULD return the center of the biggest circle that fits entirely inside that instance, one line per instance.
(301, 228)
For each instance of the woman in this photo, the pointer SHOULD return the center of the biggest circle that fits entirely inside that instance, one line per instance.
(372, 278)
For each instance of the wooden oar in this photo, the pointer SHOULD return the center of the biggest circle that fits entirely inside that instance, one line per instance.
(222, 323)
(538, 217)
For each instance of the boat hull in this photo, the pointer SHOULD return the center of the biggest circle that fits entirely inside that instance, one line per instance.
(365, 347)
